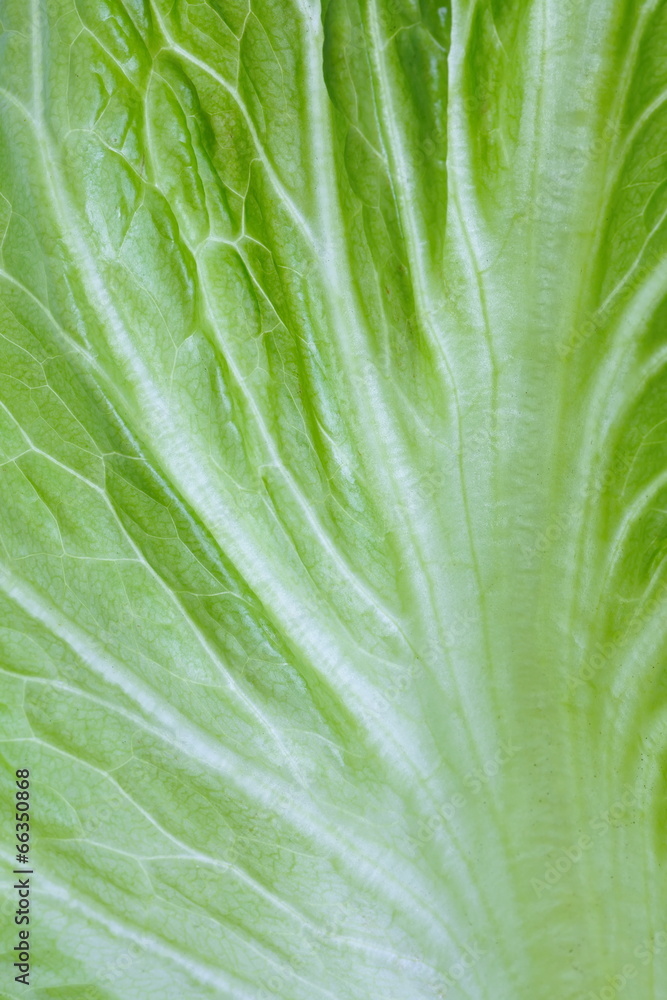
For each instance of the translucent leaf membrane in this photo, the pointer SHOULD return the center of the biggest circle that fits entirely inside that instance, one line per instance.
(333, 497)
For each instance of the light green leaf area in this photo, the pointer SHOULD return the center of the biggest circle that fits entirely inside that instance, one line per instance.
(333, 456)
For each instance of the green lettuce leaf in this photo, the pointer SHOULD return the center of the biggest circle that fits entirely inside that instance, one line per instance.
(332, 470)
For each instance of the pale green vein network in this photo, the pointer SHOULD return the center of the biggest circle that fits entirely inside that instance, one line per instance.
(333, 497)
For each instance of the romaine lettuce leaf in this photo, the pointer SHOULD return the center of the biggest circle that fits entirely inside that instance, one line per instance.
(332, 471)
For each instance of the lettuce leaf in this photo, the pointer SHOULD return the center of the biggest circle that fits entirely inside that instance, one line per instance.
(332, 471)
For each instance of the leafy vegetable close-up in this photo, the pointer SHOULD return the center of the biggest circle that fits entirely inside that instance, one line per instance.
(333, 456)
